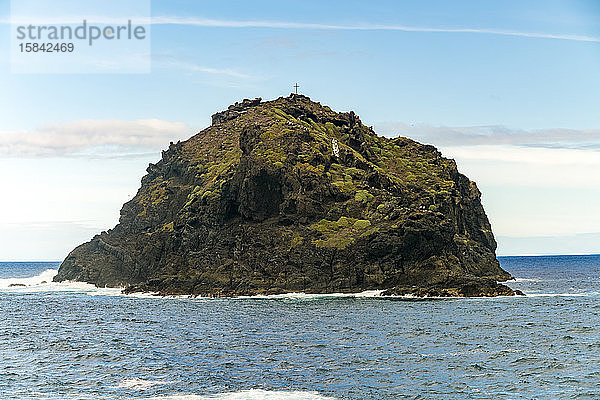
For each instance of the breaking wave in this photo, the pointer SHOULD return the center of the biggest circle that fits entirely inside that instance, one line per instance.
(140, 384)
(38, 280)
(314, 296)
(526, 280)
(43, 283)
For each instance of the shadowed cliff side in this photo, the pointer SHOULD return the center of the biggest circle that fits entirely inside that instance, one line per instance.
(288, 195)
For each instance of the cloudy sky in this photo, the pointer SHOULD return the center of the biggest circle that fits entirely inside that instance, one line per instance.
(509, 89)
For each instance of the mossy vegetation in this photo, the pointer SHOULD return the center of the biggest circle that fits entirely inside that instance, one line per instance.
(341, 233)
(361, 224)
(158, 193)
(169, 227)
(363, 196)
(297, 240)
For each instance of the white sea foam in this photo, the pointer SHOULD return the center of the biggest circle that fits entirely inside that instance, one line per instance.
(38, 280)
(254, 394)
(525, 280)
(140, 384)
(314, 296)
(43, 283)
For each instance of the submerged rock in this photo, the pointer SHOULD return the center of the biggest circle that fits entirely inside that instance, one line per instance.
(290, 196)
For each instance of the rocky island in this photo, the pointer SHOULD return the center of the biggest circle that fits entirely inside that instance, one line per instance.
(290, 196)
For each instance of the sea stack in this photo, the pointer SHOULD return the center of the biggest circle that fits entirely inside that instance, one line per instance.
(290, 196)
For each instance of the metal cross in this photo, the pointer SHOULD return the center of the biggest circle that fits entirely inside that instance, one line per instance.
(296, 86)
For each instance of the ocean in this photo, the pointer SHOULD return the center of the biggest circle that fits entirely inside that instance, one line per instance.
(75, 341)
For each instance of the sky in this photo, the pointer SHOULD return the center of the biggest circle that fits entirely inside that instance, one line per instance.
(509, 89)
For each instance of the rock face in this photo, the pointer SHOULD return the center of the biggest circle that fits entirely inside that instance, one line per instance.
(288, 195)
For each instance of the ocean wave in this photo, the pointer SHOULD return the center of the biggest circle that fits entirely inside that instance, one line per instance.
(314, 296)
(253, 394)
(140, 384)
(43, 283)
(525, 280)
(43, 278)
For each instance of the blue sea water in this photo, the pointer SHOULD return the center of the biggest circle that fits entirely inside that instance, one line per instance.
(74, 341)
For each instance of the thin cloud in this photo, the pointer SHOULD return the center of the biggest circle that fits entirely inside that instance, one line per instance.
(560, 158)
(165, 61)
(218, 23)
(95, 138)
(516, 169)
(495, 135)
(223, 23)
(580, 243)
(500, 156)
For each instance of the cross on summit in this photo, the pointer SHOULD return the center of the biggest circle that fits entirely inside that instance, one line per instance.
(296, 87)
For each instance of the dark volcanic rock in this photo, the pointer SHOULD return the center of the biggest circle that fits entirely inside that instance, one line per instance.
(288, 195)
